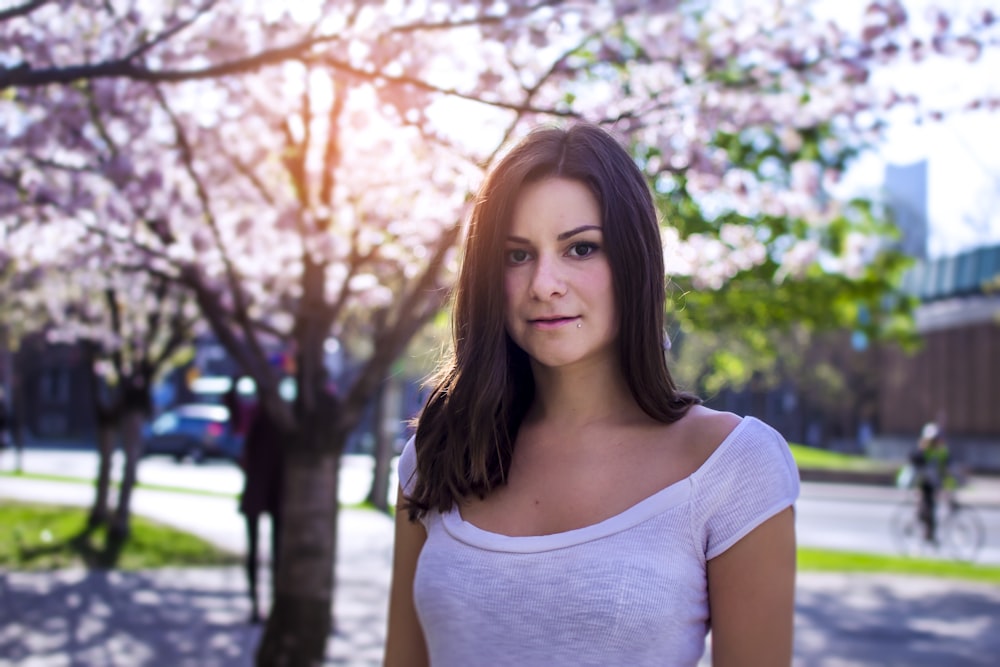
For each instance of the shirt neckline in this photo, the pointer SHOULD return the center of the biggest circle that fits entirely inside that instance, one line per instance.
(666, 498)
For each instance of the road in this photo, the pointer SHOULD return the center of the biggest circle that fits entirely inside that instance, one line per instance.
(836, 516)
(858, 519)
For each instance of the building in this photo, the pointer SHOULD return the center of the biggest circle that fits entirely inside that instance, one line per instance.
(954, 378)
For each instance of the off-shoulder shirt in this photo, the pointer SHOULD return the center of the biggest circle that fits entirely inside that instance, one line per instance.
(629, 590)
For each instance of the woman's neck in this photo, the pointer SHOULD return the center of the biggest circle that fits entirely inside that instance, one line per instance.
(584, 395)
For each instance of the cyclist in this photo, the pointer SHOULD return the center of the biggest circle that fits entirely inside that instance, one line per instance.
(932, 468)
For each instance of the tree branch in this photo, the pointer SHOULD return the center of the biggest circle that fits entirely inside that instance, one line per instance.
(169, 33)
(22, 10)
(416, 307)
(331, 154)
(25, 76)
(246, 171)
(404, 80)
(473, 21)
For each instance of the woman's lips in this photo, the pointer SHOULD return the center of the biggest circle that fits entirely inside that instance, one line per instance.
(549, 323)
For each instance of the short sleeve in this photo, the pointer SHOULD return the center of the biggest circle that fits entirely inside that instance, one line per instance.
(407, 466)
(747, 480)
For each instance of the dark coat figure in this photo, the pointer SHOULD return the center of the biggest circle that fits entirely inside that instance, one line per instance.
(263, 467)
(4, 420)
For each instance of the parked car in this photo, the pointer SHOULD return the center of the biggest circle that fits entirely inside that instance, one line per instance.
(198, 431)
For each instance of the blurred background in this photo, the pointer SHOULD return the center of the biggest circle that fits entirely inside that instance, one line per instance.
(212, 211)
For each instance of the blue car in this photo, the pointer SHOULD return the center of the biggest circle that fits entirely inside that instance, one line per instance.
(196, 431)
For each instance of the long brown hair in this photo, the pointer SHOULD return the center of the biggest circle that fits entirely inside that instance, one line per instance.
(466, 432)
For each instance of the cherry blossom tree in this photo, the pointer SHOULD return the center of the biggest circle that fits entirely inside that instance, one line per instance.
(304, 171)
(131, 326)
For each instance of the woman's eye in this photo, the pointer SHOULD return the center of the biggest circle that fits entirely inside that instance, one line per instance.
(583, 249)
(517, 256)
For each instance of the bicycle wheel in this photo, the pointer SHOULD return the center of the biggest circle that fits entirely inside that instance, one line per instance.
(962, 533)
(908, 531)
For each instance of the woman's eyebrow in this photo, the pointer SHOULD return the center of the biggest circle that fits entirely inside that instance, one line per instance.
(562, 237)
(578, 230)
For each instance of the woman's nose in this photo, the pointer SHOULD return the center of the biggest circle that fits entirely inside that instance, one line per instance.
(547, 280)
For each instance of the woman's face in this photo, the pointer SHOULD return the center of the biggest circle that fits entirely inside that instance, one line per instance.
(559, 301)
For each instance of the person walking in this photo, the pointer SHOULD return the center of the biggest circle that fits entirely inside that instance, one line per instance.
(563, 501)
(262, 464)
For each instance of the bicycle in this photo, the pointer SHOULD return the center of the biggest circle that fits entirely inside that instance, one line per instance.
(959, 535)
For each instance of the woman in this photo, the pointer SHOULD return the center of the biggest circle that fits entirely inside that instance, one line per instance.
(567, 503)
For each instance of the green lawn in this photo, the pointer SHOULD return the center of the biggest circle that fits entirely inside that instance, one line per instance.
(811, 457)
(42, 537)
(46, 477)
(844, 561)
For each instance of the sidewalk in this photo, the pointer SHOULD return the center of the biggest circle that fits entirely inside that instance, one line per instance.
(196, 616)
(190, 617)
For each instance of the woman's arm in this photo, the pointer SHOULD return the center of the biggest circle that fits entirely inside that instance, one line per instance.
(751, 594)
(404, 646)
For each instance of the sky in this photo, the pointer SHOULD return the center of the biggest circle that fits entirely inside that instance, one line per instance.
(962, 152)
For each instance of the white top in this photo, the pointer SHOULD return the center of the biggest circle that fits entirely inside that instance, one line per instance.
(629, 590)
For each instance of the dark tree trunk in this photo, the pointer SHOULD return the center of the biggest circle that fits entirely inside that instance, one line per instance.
(131, 440)
(100, 511)
(386, 429)
(300, 621)
(119, 418)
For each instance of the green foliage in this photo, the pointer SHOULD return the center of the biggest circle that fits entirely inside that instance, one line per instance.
(43, 537)
(732, 334)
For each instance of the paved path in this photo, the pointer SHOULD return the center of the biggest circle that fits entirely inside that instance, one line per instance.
(196, 616)
(192, 617)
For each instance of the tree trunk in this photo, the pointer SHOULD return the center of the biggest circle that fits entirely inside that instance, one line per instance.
(131, 429)
(387, 415)
(99, 512)
(301, 618)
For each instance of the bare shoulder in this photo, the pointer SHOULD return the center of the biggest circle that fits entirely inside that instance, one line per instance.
(704, 429)
(711, 423)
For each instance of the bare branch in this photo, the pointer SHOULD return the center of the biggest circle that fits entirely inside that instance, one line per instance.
(295, 153)
(111, 299)
(147, 46)
(416, 307)
(404, 80)
(241, 316)
(354, 263)
(48, 163)
(22, 10)
(187, 159)
(128, 241)
(25, 76)
(331, 154)
(472, 21)
(247, 172)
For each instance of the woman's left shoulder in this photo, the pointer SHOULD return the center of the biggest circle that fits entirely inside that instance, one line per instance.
(706, 429)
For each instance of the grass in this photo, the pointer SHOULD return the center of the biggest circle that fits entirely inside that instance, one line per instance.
(44, 537)
(811, 457)
(823, 560)
(46, 477)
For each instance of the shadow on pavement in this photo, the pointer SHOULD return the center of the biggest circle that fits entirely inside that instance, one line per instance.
(179, 617)
(844, 620)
